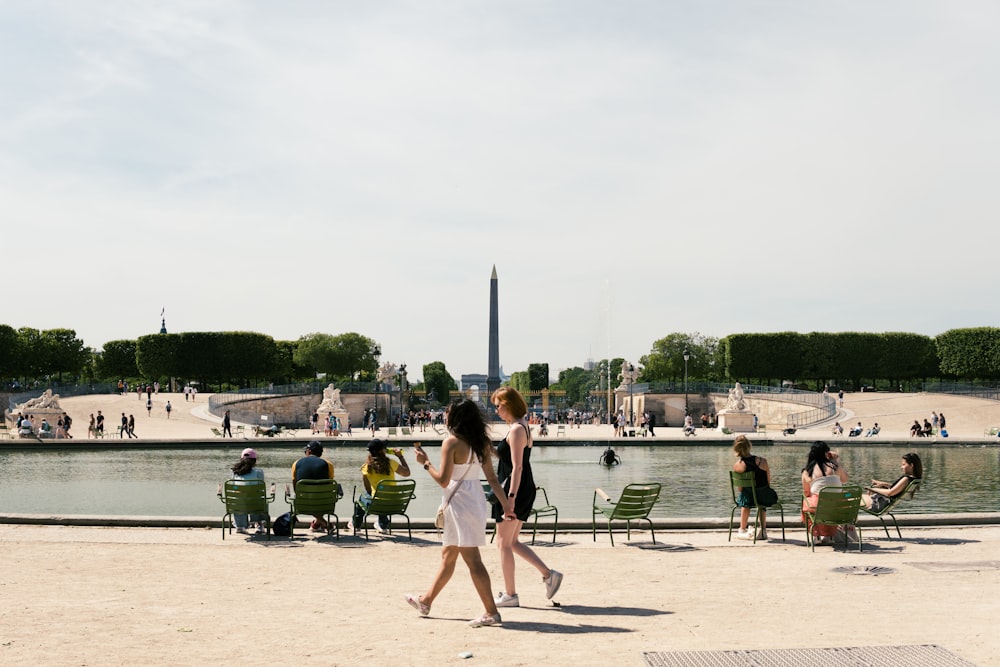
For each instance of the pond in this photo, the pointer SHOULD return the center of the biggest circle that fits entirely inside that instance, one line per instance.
(183, 482)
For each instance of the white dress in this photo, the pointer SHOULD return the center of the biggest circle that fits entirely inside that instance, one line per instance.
(466, 512)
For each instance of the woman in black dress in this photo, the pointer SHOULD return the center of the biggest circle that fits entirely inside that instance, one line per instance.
(514, 472)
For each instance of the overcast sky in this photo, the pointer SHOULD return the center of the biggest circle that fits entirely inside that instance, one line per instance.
(632, 169)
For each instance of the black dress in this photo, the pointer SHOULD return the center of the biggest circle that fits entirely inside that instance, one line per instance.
(525, 499)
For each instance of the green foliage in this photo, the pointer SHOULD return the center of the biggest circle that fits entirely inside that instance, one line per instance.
(438, 380)
(211, 356)
(10, 351)
(338, 356)
(970, 353)
(538, 376)
(665, 361)
(521, 382)
(118, 360)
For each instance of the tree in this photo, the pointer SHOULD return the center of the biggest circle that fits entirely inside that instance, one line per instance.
(439, 381)
(117, 360)
(64, 352)
(9, 351)
(665, 362)
(338, 356)
(538, 376)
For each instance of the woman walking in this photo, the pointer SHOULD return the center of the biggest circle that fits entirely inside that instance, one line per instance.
(514, 467)
(465, 451)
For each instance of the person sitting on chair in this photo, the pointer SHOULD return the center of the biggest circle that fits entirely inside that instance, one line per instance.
(377, 468)
(610, 458)
(822, 469)
(915, 430)
(873, 430)
(878, 496)
(855, 431)
(245, 469)
(313, 466)
(927, 430)
(766, 496)
(838, 429)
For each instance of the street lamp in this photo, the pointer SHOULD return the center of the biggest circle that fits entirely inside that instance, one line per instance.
(687, 355)
(376, 353)
(402, 389)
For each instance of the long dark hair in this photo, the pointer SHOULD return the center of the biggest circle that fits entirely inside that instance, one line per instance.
(244, 465)
(918, 466)
(466, 422)
(818, 457)
(378, 461)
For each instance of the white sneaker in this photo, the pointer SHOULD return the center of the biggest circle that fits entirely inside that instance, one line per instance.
(552, 583)
(504, 600)
(744, 535)
(242, 531)
(379, 527)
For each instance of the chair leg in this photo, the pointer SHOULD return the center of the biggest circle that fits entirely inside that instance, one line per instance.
(651, 531)
(896, 524)
(732, 514)
(555, 526)
(610, 534)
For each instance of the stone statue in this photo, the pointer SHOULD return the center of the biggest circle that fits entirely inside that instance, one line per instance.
(736, 401)
(47, 400)
(331, 400)
(387, 372)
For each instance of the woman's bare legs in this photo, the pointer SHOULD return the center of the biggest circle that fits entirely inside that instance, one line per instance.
(480, 578)
(447, 568)
(507, 534)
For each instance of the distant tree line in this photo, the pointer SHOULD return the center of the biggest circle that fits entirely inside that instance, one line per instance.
(850, 359)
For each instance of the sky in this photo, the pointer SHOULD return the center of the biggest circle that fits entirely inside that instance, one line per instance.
(632, 169)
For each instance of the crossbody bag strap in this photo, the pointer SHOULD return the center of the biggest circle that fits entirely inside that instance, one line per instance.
(453, 491)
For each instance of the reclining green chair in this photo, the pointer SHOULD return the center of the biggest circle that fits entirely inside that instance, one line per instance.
(910, 489)
(245, 496)
(635, 503)
(315, 497)
(836, 506)
(739, 480)
(391, 497)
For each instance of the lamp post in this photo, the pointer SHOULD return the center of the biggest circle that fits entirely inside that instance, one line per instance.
(376, 353)
(687, 355)
(402, 391)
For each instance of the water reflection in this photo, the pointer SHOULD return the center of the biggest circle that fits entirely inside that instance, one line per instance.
(183, 482)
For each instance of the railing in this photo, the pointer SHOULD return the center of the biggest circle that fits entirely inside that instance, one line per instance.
(972, 391)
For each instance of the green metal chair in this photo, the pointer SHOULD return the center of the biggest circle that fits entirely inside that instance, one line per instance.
(738, 480)
(315, 497)
(547, 509)
(910, 489)
(836, 506)
(245, 496)
(392, 497)
(635, 503)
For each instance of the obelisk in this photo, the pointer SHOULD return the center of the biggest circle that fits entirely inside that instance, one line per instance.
(493, 374)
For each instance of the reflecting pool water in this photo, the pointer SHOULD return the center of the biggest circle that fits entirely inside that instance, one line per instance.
(183, 482)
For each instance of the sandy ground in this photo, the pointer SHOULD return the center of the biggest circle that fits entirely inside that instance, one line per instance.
(170, 596)
(126, 596)
(967, 417)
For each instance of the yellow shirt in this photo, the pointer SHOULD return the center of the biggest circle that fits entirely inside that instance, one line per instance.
(374, 478)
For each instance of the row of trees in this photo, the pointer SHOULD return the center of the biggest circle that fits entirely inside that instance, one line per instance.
(244, 358)
(212, 358)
